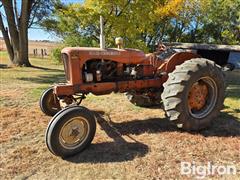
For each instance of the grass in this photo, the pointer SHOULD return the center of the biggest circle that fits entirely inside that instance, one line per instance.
(232, 101)
(130, 142)
(29, 82)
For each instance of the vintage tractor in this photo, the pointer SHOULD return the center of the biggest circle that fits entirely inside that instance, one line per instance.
(190, 88)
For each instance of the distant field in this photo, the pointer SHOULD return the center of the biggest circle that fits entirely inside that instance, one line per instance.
(130, 143)
(48, 46)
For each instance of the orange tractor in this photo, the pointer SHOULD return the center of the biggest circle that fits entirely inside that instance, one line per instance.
(190, 89)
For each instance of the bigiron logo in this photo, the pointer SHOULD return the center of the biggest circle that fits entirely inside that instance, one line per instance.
(204, 170)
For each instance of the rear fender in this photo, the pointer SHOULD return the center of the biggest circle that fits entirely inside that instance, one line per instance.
(176, 59)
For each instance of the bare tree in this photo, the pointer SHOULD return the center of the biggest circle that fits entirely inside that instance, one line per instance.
(18, 19)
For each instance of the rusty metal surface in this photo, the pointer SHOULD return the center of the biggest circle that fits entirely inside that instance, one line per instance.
(197, 96)
(107, 87)
(153, 66)
(177, 59)
(197, 46)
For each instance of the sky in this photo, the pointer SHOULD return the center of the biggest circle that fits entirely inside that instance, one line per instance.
(39, 34)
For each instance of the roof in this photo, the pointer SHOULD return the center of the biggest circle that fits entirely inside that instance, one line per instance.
(197, 46)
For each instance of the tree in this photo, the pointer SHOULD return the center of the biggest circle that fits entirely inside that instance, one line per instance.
(132, 20)
(144, 23)
(206, 21)
(18, 19)
(221, 23)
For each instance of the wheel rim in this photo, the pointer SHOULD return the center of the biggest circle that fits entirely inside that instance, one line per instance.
(74, 133)
(202, 97)
(51, 104)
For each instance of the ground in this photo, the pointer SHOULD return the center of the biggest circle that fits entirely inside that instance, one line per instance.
(130, 142)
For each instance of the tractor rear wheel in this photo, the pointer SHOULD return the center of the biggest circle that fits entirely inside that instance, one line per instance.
(48, 103)
(70, 131)
(194, 93)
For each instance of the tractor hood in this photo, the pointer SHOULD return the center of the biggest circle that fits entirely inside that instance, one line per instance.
(133, 56)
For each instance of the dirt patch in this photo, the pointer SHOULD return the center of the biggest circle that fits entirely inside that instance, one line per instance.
(10, 93)
(17, 122)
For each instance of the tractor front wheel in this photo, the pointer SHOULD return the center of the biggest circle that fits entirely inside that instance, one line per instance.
(194, 93)
(49, 104)
(70, 131)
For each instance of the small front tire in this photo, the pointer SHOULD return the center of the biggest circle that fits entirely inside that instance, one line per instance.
(49, 104)
(70, 131)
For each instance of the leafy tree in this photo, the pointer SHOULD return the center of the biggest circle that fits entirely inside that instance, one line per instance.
(144, 23)
(132, 20)
(206, 21)
(20, 16)
(221, 23)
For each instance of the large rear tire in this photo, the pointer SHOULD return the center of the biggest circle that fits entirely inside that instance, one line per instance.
(70, 131)
(194, 93)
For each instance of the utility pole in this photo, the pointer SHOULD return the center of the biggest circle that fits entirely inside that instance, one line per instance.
(102, 37)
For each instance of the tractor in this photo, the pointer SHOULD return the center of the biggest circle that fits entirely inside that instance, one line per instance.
(189, 88)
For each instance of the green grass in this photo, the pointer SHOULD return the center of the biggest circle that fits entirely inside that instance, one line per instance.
(3, 53)
(25, 84)
(232, 101)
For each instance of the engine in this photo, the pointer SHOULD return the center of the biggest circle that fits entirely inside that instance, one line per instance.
(111, 71)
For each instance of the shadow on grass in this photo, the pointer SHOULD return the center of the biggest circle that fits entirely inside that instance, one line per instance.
(46, 69)
(117, 151)
(225, 125)
(4, 66)
(233, 110)
(45, 79)
(120, 150)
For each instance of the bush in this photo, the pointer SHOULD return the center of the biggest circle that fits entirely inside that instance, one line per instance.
(79, 41)
(56, 55)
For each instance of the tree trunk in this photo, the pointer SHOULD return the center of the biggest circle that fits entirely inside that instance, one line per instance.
(17, 44)
(6, 39)
(173, 36)
(23, 48)
(23, 34)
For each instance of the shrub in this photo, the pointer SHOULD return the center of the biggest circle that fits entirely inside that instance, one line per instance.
(56, 55)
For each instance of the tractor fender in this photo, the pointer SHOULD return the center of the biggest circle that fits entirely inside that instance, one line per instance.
(176, 59)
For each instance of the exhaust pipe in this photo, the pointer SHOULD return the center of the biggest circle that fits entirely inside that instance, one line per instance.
(102, 37)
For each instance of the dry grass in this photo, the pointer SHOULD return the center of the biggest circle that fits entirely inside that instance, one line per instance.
(130, 143)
